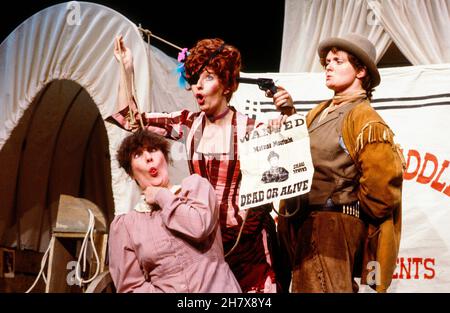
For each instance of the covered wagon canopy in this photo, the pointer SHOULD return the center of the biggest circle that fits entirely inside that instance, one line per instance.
(59, 81)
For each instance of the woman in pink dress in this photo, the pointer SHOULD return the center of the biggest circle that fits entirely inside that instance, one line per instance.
(212, 70)
(171, 241)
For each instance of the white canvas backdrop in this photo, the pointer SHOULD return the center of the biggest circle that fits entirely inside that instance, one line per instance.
(419, 28)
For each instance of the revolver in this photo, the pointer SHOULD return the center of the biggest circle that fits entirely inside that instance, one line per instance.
(263, 83)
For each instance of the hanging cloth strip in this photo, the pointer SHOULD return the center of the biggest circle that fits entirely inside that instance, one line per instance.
(132, 94)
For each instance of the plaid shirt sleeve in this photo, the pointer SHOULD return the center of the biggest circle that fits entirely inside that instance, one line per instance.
(170, 125)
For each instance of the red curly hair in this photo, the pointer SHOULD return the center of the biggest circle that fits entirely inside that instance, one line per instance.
(226, 64)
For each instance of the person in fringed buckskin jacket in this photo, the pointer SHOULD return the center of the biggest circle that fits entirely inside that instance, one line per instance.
(349, 224)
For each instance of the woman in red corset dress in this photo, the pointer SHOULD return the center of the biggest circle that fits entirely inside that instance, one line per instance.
(211, 135)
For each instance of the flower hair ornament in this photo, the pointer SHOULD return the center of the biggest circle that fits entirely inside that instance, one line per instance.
(181, 70)
(184, 82)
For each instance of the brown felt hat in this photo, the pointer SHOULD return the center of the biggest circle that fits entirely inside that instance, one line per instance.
(358, 46)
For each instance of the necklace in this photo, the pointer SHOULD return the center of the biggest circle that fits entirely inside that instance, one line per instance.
(212, 119)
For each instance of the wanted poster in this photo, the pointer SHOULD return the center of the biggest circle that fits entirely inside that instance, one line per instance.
(275, 164)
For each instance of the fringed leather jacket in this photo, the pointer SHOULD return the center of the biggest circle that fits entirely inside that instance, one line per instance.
(370, 143)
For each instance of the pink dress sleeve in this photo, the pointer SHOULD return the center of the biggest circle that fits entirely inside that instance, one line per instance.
(124, 266)
(193, 212)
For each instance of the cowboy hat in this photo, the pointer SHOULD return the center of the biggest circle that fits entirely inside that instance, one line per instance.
(356, 45)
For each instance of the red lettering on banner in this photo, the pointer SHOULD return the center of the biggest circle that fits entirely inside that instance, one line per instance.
(417, 261)
(428, 260)
(410, 175)
(410, 268)
(404, 269)
(430, 164)
(426, 179)
(436, 184)
(447, 191)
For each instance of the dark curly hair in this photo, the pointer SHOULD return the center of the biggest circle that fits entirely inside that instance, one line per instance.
(226, 64)
(138, 141)
(366, 82)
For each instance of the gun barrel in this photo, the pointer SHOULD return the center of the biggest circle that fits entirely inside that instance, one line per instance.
(247, 80)
(263, 83)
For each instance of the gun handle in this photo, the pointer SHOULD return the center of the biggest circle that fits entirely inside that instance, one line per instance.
(273, 89)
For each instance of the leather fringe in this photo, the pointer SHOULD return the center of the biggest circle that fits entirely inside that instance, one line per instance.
(372, 132)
